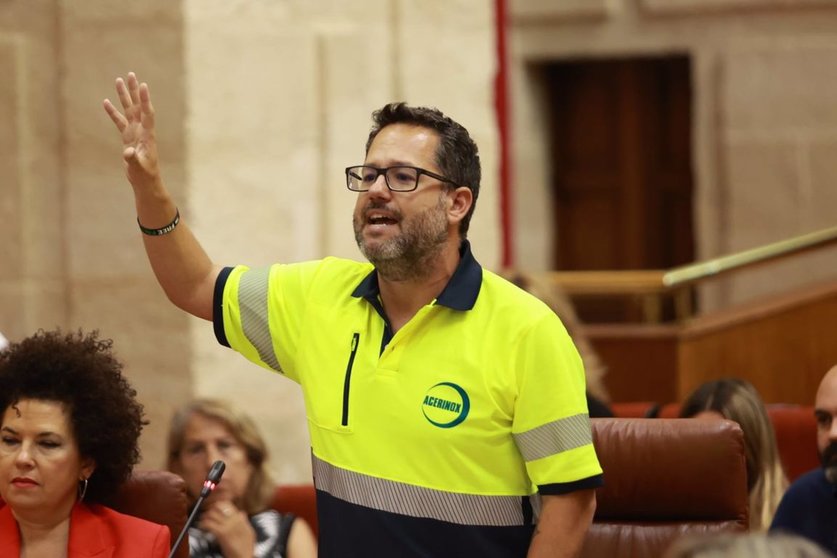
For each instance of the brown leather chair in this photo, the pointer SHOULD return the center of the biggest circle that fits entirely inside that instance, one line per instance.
(796, 437)
(157, 496)
(298, 499)
(665, 478)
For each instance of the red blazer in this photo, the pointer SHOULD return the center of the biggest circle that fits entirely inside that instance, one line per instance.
(97, 532)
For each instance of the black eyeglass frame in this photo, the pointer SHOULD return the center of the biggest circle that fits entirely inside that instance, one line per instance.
(379, 171)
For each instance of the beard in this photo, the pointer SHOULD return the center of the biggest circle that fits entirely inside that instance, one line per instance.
(828, 457)
(406, 255)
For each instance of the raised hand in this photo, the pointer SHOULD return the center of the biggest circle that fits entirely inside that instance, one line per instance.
(136, 125)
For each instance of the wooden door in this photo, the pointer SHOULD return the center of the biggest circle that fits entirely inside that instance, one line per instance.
(622, 179)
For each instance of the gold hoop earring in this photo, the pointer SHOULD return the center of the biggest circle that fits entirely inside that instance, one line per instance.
(82, 489)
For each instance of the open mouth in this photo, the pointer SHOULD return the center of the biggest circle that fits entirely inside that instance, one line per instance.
(380, 220)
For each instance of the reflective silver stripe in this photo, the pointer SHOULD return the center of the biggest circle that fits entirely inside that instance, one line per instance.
(252, 302)
(417, 501)
(554, 437)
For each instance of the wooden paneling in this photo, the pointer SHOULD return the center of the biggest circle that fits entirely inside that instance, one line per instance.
(640, 359)
(782, 344)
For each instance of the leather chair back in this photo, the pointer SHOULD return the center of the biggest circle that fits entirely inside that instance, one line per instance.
(796, 438)
(665, 478)
(157, 496)
(298, 499)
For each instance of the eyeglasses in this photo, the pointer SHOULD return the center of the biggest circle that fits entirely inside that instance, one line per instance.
(398, 179)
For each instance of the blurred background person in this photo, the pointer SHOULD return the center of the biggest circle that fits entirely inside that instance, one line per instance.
(552, 295)
(745, 545)
(236, 519)
(809, 507)
(68, 440)
(738, 400)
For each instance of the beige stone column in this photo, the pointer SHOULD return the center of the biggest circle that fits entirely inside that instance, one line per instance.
(109, 282)
(32, 255)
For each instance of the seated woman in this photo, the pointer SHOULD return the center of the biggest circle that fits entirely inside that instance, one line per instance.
(738, 400)
(69, 429)
(235, 519)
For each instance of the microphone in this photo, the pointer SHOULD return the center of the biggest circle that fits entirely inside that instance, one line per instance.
(212, 480)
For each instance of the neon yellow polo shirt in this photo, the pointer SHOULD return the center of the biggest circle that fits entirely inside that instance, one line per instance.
(449, 425)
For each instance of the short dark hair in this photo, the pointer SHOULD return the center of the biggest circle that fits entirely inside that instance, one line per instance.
(79, 371)
(457, 156)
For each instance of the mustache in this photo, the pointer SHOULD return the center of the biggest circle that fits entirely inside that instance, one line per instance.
(829, 455)
(379, 205)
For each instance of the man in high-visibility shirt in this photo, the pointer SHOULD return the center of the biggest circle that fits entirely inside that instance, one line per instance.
(446, 406)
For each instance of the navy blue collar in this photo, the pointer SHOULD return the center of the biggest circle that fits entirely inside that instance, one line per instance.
(459, 294)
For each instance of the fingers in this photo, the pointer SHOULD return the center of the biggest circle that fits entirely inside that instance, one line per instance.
(124, 96)
(133, 88)
(115, 115)
(147, 109)
(220, 517)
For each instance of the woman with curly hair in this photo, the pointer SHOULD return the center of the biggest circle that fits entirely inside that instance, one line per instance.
(69, 428)
(737, 400)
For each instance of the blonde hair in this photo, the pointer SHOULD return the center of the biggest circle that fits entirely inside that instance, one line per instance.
(554, 297)
(738, 400)
(744, 545)
(260, 488)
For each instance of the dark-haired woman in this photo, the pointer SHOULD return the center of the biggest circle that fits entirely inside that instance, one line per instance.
(69, 431)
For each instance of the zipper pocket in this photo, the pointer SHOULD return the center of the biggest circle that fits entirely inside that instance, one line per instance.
(348, 380)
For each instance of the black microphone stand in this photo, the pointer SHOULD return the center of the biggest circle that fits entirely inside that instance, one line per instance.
(209, 485)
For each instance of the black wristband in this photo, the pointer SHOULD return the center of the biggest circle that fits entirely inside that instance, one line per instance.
(162, 230)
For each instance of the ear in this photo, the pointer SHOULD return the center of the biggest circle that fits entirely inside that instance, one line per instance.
(87, 467)
(461, 200)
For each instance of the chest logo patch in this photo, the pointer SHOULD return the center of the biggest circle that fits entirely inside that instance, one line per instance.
(446, 405)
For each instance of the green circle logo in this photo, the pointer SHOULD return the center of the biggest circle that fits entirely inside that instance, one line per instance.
(445, 405)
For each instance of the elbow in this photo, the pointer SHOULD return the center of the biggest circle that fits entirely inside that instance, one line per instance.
(190, 304)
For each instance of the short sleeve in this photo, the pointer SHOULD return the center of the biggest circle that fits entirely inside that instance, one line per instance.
(551, 425)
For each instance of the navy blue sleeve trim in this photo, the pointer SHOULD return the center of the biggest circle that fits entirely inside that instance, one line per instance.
(217, 306)
(567, 487)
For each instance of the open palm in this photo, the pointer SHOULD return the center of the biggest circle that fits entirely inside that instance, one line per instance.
(136, 125)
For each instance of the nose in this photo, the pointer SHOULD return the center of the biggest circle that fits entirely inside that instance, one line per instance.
(23, 459)
(213, 454)
(832, 432)
(379, 188)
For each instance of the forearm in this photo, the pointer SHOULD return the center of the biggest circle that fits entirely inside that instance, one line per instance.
(182, 267)
(563, 524)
